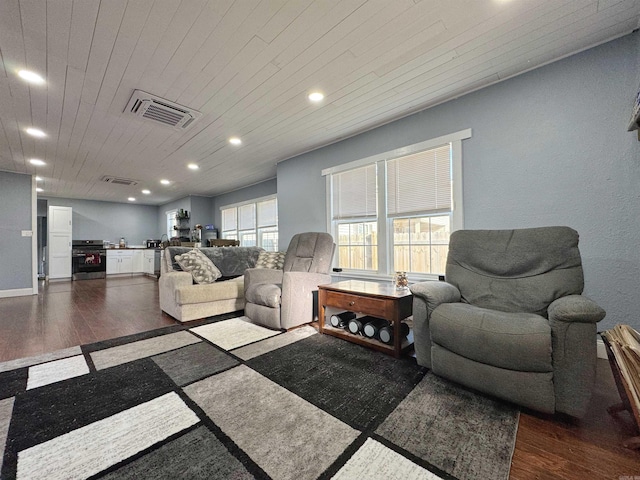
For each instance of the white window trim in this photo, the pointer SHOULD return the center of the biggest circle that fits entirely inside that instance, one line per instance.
(457, 220)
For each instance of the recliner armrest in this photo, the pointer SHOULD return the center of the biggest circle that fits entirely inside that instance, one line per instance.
(261, 275)
(435, 293)
(575, 308)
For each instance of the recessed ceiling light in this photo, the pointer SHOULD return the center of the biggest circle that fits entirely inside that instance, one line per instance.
(165, 182)
(193, 166)
(31, 77)
(235, 141)
(38, 179)
(316, 96)
(35, 132)
(132, 199)
(37, 162)
(146, 192)
(38, 189)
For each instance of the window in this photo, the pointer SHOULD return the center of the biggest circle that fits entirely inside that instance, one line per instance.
(395, 211)
(172, 221)
(254, 223)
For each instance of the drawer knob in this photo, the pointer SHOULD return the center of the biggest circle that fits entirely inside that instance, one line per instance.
(351, 304)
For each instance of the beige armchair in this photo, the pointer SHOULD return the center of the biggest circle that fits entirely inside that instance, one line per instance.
(283, 299)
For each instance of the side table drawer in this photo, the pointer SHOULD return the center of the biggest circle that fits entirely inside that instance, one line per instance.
(357, 303)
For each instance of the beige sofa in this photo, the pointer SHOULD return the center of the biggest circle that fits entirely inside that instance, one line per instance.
(185, 301)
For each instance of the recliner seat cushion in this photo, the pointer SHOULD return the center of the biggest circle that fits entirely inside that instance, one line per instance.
(514, 341)
(265, 294)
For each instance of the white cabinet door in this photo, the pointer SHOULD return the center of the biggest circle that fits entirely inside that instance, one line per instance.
(138, 261)
(113, 262)
(126, 263)
(119, 261)
(59, 221)
(149, 259)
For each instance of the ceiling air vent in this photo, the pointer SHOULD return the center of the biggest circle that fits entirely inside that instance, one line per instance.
(119, 181)
(159, 110)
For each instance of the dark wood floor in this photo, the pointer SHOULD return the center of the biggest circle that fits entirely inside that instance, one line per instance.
(66, 314)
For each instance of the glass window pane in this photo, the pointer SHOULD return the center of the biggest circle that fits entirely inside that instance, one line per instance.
(420, 259)
(269, 239)
(229, 219)
(343, 257)
(439, 258)
(420, 244)
(247, 216)
(247, 239)
(419, 231)
(441, 229)
(267, 213)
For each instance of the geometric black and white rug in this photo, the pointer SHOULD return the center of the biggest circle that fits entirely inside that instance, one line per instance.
(225, 398)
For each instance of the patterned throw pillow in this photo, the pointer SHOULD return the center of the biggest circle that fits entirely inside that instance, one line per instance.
(201, 268)
(273, 260)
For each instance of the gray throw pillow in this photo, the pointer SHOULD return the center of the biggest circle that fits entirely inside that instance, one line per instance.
(201, 268)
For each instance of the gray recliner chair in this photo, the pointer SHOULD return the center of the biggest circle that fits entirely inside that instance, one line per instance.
(510, 320)
(283, 299)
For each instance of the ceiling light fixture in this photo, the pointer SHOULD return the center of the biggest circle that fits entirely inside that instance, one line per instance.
(316, 96)
(132, 199)
(34, 132)
(31, 77)
(37, 162)
(193, 166)
(38, 189)
(146, 192)
(235, 141)
(38, 179)
(165, 182)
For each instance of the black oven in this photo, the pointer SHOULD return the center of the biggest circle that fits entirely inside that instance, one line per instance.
(89, 259)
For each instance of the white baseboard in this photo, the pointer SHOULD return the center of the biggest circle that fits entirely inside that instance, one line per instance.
(17, 292)
(602, 352)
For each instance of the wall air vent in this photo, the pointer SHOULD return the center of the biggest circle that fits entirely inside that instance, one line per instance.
(119, 181)
(159, 110)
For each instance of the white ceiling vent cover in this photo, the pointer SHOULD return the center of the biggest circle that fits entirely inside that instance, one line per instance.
(119, 181)
(159, 110)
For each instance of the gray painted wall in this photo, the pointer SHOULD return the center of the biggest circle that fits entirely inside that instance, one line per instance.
(549, 147)
(93, 220)
(15, 216)
(201, 210)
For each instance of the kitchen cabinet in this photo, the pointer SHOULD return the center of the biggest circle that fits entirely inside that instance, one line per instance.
(138, 261)
(119, 261)
(151, 264)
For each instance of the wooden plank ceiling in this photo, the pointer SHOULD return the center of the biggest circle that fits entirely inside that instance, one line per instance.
(248, 66)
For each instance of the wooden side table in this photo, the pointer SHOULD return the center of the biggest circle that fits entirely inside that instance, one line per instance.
(381, 300)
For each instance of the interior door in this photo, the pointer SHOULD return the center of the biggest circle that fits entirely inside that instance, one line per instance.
(60, 231)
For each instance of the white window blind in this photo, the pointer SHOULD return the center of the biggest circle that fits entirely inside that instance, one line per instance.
(420, 183)
(354, 193)
(267, 213)
(247, 217)
(229, 219)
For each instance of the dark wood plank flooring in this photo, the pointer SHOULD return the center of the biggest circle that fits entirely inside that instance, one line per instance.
(66, 314)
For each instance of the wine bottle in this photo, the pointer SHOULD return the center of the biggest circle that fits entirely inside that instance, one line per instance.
(355, 326)
(386, 333)
(372, 326)
(340, 320)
